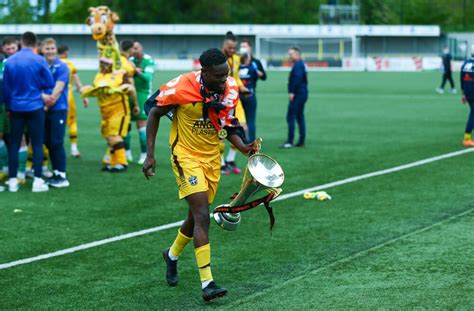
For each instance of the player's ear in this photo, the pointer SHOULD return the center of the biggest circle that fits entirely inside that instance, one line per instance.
(115, 17)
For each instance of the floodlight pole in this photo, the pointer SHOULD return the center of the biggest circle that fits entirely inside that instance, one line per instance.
(257, 46)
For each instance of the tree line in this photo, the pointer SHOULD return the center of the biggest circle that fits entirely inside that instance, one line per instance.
(451, 15)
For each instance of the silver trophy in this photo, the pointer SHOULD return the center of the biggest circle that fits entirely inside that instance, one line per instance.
(262, 175)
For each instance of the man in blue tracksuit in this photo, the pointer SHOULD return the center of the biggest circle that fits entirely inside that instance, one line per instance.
(26, 76)
(467, 87)
(56, 115)
(297, 95)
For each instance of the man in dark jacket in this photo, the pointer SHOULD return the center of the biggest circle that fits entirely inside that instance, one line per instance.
(447, 73)
(467, 87)
(297, 95)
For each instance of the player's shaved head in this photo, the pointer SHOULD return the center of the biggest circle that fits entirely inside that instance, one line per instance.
(137, 50)
(214, 70)
(294, 53)
(28, 39)
(126, 45)
(63, 49)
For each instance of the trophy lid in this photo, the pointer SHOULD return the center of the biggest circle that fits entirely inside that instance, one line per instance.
(266, 170)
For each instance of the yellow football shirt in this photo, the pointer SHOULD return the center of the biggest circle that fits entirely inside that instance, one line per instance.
(234, 65)
(114, 101)
(127, 66)
(190, 132)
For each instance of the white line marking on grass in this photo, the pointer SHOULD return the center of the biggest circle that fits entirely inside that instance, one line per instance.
(89, 245)
(374, 174)
(281, 198)
(348, 258)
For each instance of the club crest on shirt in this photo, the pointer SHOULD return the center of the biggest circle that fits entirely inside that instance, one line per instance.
(193, 180)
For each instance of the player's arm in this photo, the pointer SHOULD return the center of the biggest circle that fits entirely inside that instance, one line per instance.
(236, 139)
(132, 92)
(58, 88)
(147, 73)
(63, 77)
(6, 87)
(152, 126)
(262, 75)
(78, 83)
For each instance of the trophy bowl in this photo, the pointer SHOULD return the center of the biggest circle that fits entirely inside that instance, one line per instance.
(262, 174)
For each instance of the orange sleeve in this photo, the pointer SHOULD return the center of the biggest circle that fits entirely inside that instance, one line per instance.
(183, 89)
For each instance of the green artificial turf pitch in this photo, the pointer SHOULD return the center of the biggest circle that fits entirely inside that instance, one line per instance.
(397, 241)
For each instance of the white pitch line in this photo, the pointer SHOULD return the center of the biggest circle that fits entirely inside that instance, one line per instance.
(374, 174)
(281, 198)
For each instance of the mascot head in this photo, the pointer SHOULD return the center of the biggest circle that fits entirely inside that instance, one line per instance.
(102, 21)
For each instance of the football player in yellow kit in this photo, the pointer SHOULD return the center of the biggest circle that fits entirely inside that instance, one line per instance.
(233, 60)
(113, 89)
(63, 52)
(202, 103)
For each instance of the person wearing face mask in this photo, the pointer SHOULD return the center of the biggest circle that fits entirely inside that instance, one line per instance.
(56, 114)
(249, 74)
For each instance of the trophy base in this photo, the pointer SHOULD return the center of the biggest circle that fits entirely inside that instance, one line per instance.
(227, 221)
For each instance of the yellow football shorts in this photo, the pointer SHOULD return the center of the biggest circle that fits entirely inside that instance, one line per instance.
(194, 174)
(115, 125)
(240, 113)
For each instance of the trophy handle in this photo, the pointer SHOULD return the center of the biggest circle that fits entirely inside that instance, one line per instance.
(258, 143)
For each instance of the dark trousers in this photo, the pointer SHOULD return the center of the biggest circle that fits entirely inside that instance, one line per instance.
(470, 120)
(55, 129)
(296, 113)
(250, 107)
(447, 76)
(34, 121)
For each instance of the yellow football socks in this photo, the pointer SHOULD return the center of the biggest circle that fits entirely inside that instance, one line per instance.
(179, 244)
(73, 133)
(118, 155)
(467, 137)
(203, 260)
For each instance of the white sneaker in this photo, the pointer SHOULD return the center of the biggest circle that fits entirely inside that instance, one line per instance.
(128, 154)
(39, 185)
(439, 90)
(13, 185)
(2, 188)
(142, 158)
(75, 153)
(454, 91)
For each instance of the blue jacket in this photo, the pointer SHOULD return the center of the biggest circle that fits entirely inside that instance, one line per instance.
(298, 81)
(60, 72)
(25, 77)
(249, 76)
(467, 79)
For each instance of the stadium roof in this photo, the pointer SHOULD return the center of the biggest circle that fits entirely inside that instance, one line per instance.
(257, 30)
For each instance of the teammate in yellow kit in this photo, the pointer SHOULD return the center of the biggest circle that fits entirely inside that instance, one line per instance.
(229, 48)
(112, 89)
(63, 52)
(202, 103)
